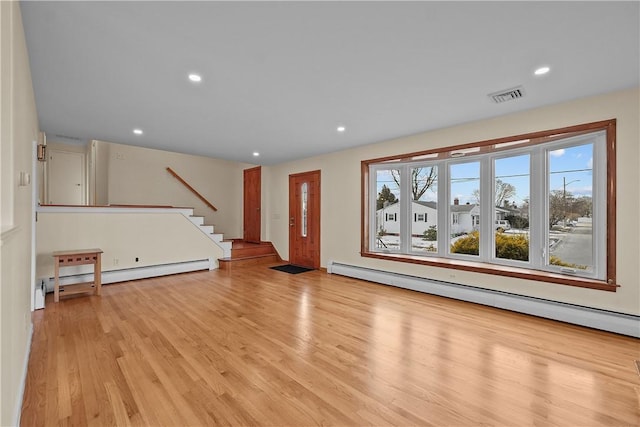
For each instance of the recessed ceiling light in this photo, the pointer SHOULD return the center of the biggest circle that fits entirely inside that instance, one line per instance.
(341, 128)
(195, 77)
(256, 154)
(542, 70)
(137, 131)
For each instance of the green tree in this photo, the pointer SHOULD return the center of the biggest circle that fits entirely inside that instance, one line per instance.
(517, 221)
(385, 195)
(430, 234)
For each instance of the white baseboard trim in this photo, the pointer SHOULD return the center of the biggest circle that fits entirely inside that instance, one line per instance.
(115, 276)
(17, 412)
(610, 321)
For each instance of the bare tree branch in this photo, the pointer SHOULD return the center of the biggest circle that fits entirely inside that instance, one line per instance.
(421, 180)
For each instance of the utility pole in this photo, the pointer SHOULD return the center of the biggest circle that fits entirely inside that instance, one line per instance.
(564, 198)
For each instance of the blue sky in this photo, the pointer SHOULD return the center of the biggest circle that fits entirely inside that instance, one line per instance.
(571, 167)
(575, 165)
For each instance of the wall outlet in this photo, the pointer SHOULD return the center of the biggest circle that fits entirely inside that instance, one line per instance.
(116, 261)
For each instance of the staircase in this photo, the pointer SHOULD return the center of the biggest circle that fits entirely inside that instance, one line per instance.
(247, 253)
(209, 231)
(237, 253)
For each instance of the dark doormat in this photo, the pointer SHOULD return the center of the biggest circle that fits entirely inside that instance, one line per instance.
(291, 269)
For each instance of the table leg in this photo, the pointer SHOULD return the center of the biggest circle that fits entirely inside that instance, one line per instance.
(56, 287)
(97, 274)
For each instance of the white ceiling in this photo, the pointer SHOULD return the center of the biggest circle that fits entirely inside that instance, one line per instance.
(279, 77)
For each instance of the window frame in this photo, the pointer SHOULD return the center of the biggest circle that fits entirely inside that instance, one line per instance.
(511, 146)
(535, 176)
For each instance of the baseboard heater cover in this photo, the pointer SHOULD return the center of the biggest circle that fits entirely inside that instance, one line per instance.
(610, 321)
(124, 275)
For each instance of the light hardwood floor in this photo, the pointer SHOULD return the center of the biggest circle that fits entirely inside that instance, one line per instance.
(262, 347)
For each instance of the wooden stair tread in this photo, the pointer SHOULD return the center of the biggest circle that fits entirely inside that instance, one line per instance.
(230, 259)
(248, 254)
(242, 249)
(228, 264)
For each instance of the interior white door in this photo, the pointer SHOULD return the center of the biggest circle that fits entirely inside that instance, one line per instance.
(65, 180)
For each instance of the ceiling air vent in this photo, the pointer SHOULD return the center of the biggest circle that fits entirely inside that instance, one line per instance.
(72, 138)
(507, 95)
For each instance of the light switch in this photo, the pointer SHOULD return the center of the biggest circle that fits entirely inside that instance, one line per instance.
(25, 179)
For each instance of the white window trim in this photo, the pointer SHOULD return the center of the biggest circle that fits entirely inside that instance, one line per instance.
(538, 206)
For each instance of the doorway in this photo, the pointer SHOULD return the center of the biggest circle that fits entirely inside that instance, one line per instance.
(65, 178)
(252, 200)
(304, 219)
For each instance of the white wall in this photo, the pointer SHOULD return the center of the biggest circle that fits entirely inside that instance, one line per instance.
(153, 238)
(138, 175)
(129, 175)
(98, 173)
(19, 124)
(341, 195)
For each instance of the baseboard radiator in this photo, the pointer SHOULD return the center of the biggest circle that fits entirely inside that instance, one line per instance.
(620, 323)
(115, 276)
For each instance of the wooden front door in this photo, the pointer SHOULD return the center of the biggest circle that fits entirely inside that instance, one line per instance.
(252, 200)
(304, 219)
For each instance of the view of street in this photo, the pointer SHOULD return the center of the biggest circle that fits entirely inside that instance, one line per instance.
(571, 244)
(574, 246)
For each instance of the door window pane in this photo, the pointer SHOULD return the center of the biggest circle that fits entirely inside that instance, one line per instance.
(511, 203)
(464, 190)
(305, 192)
(424, 209)
(570, 232)
(387, 232)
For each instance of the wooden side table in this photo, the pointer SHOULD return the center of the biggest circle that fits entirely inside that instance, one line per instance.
(78, 257)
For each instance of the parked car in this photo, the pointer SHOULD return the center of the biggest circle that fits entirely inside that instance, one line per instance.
(502, 224)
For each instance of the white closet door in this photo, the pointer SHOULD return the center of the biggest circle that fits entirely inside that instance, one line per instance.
(66, 178)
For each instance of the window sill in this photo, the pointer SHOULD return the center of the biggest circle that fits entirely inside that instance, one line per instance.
(500, 270)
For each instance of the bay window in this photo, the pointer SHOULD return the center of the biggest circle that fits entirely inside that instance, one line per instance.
(539, 206)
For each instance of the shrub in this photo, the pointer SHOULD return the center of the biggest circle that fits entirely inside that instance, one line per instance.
(517, 221)
(554, 260)
(467, 245)
(512, 246)
(430, 234)
(508, 246)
